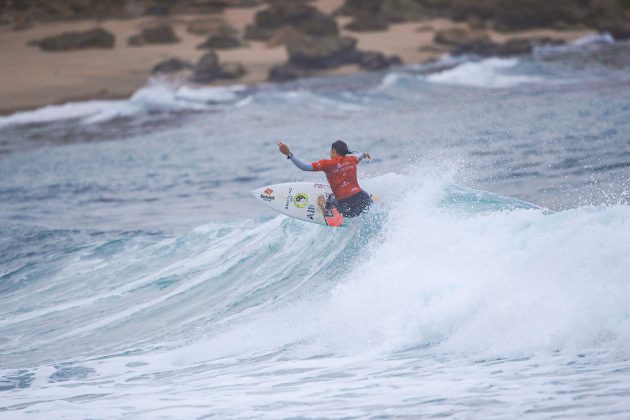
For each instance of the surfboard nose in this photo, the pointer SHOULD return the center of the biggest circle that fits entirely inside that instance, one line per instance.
(264, 193)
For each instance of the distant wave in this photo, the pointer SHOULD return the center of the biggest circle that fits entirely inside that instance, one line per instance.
(156, 95)
(581, 43)
(490, 73)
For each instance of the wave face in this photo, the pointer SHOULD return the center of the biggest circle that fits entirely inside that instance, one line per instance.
(138, 278)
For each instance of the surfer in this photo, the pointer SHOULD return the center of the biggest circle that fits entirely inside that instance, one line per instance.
(341, 171)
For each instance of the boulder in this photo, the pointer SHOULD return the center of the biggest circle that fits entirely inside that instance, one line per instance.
(323, 52)
(511, 47)
(93, 38)
(521, 14)
(172, 65)
(286, 72)
(207, 68)
(160, 34)
(193, 7)
(389, 11)
(374, 60)
(285, 36)
(611, 16)
(221, 41)
(460, 36)
(245, 3)
(296, 14)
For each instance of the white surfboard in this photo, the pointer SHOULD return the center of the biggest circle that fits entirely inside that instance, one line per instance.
(295, 199)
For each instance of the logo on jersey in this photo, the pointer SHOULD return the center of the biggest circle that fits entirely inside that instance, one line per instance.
(300, 200)
(268, 191)
(267, 197)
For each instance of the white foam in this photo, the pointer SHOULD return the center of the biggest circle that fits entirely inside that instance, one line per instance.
(68, 111)
(210, 95)
(391, 79)
(489, 73)
(577, 45)
(156, 95)
(605, 38)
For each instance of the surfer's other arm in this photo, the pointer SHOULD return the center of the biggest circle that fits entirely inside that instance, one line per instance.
(284, 149)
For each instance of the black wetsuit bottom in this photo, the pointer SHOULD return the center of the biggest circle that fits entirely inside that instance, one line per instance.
(352, 206)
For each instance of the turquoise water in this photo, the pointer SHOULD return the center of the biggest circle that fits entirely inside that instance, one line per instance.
(139, 279)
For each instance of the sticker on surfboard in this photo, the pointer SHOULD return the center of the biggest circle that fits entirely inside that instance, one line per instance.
(299, 200)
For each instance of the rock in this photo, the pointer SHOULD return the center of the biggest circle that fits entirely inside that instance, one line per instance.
(388, 11)
(210, 26)
(296, 14)
(465, 41)
(285, 36)
(527, 14)
(611, 16)
(160, 34)
(93, 38)
(207, 68)
(194, 7)
(172, 65)
(245, 3)
(460, 36)
(511, 47)
(374, 60)
(232, 70)
(286, 72)
(221, 41)
(367, 23)
(521, 14)
(323, 52)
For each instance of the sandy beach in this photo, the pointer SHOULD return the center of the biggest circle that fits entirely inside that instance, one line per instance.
(32, 78)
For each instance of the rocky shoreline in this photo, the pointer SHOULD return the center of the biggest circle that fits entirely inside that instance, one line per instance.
(223, 41)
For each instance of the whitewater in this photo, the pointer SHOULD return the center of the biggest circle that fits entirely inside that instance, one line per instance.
(139, 279)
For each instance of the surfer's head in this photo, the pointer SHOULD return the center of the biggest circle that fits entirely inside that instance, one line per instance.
(339, 148)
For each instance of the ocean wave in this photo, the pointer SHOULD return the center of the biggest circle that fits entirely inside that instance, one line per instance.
(505, 281)
(434, 265)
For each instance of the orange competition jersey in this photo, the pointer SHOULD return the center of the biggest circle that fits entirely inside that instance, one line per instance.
(341, 173)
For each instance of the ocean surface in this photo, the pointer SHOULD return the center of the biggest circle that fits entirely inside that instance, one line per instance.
(139, 279)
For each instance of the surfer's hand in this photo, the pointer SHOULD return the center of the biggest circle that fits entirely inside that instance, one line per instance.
(367, 155)
(284, 149)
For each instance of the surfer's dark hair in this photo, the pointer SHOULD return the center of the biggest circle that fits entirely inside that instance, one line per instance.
(341, 148)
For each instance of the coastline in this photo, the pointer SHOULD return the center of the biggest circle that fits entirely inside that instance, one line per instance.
(34, 78)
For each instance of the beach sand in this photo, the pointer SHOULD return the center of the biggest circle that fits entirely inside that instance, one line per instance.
(32, 78)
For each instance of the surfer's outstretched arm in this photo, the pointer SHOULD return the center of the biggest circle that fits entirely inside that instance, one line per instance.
(284, 149)
(300, 164)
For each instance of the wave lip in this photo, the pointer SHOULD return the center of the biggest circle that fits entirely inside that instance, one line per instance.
(491, 73)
